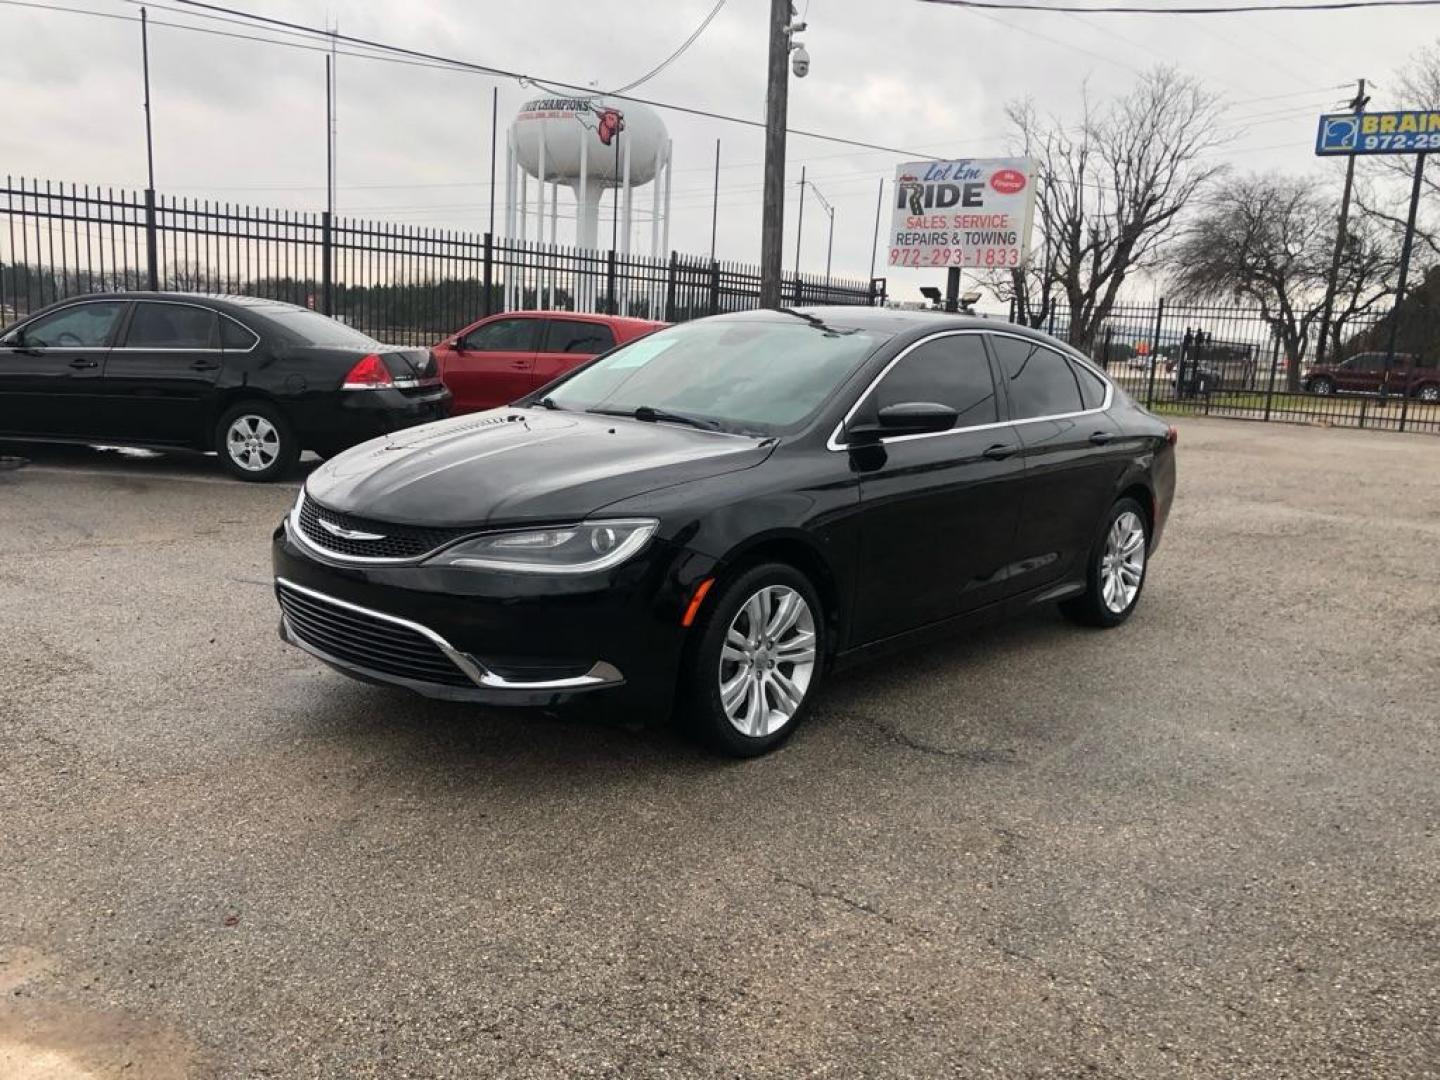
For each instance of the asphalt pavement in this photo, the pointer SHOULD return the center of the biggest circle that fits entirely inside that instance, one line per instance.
(1204, 844)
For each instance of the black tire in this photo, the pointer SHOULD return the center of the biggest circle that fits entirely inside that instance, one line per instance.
(1322, 385)
(1429, 393)
(272, 458)
(703, 713)
(1092, 608)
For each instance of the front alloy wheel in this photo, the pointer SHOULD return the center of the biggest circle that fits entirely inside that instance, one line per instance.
(1429, 393)
(768, 660)
(756, 661)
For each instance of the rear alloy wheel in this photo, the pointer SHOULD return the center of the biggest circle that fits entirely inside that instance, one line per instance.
(757, 662)
(1322, 386)
(1116, 573)
(255, 442)
(1429, 393)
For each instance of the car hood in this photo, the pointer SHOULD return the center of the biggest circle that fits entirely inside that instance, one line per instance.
(519, 465)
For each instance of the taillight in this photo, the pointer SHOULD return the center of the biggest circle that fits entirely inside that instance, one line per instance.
(1172, 435)
(369, 373)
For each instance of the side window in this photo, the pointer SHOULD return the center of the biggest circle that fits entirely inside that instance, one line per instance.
(573, 336)
(1040, 380)
(504, 335)
(234, 336)
(948, 370)
(1092, 388)
(171, 326)
(84, 326)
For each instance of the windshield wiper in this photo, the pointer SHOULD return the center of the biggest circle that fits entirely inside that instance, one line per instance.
(550, 403)
(652, 415)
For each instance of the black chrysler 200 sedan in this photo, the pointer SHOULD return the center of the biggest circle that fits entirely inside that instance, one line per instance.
(723, 511)
(257, 381)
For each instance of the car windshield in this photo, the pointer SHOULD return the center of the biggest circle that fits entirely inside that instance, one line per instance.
(759, 376)
(316, 329)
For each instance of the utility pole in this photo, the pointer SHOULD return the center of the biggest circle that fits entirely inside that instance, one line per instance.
(715, 203)
(145, 62)
(329, 135)
(1356, 106)
(776, 110)
(800, 223)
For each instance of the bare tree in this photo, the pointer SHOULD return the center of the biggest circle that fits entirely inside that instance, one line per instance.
(1107, 195)
(1385, 200)
(1266, 240)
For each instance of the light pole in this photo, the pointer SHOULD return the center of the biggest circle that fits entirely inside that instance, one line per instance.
(772, 227)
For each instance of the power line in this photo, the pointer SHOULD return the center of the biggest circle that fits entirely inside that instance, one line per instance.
(1239, 9)
(705, 22)
(522, 78)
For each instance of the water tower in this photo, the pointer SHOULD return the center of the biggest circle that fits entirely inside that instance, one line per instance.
(590, 145)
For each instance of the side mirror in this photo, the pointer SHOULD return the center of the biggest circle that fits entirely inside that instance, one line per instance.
(905, 418)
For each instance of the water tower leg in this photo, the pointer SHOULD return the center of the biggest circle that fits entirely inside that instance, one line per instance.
(669, 172)
(509, 209)
(581, 282)
(540, 299)
(625, 239)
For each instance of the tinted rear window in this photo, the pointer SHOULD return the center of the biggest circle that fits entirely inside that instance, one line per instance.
(583, 338)
(312, 328)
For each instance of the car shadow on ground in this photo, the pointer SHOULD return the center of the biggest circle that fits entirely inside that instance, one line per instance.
(864, 708)
(132, 461)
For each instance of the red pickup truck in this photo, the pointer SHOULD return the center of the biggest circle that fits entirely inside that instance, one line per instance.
(504, 357)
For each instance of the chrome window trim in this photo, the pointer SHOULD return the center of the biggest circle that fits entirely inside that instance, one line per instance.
(198, 348)
(834, 443)
(600, 673)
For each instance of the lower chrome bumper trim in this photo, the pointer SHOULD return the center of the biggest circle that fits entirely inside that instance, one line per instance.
(600, 675)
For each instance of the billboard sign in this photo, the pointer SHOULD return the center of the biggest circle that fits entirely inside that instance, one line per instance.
(971, 212)
(1413, 132)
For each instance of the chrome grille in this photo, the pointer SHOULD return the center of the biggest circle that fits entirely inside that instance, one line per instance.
(366, 641)
(392, 541)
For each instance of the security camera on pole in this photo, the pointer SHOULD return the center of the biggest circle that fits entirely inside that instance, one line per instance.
(782, 46)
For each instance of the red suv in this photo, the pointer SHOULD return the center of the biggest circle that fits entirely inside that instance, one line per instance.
(1366, 373)
(497, 360)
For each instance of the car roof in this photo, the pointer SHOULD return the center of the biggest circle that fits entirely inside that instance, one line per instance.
(220, 300)
(892, 321)
(585, 316)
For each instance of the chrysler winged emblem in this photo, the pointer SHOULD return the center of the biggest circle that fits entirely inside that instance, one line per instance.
(347, 534)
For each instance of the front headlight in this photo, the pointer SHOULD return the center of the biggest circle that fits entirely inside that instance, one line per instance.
(565, 549)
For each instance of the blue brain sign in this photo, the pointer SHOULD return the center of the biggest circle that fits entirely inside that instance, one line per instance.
(1414, 132)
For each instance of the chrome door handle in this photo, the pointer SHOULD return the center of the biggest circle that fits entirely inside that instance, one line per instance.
(81, 363)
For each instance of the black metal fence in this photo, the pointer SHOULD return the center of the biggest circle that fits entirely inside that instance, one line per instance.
(1213, 360)
(399, 283)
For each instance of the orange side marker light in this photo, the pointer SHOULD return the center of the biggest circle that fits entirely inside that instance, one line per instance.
(696, 601)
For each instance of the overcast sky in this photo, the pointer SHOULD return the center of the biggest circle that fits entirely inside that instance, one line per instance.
(244, 121)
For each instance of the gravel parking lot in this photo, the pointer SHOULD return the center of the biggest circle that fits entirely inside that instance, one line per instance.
(1205, 844)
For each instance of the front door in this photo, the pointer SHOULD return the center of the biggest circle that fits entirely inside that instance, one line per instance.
(493, 364)
(50, 370)
(938, 511)
(1074, 456)
(567, 344)
(160, 379)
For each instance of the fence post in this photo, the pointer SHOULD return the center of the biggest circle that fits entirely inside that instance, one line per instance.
(610, 283)
(1274, 366)
(1154, 354)
(152, 251)
(1012, 310)
(714, 287)
(670, 288)
(327, 272)
(485, 306)
(1109, 340)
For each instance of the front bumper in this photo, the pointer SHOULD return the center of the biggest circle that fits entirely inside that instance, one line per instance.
(501, 639)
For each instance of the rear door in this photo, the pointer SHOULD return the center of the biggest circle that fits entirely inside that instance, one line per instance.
(1071, 453)
(568, 343)
(50, 370)
(938, 511)
(493, 364)
(159, 382)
